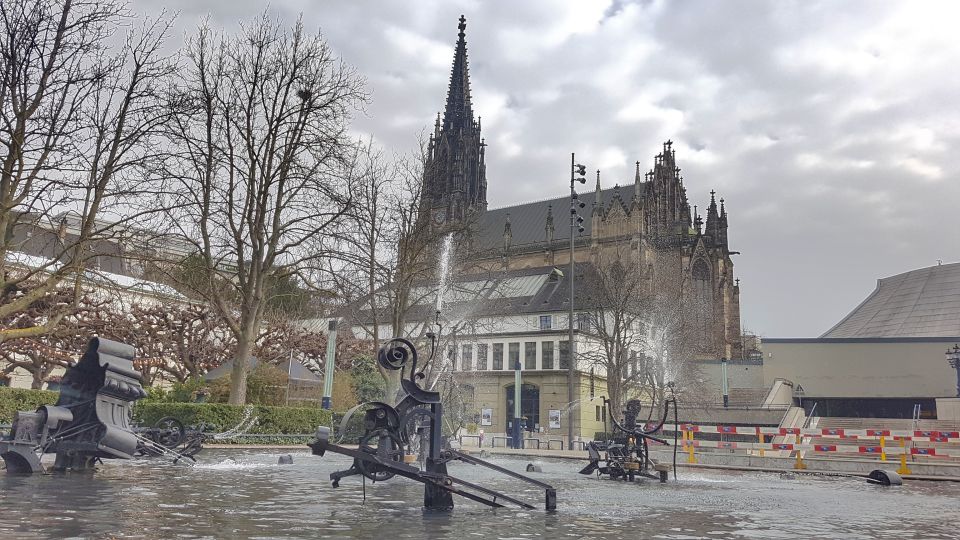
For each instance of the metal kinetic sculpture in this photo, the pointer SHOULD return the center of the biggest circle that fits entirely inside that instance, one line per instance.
(627, 457)
(91, 419)
(170, 438)
(385, 448)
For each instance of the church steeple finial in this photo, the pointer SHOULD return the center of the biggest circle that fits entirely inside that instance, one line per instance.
(459, 110)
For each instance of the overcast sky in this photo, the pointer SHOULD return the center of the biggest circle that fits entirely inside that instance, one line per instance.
(828, 127)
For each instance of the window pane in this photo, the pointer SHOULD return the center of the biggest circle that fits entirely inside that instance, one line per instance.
(530, 355)
(514, 356)
(452, 357)
(482, 357)
(546, 348)
(564, 355)
(546, 322)
(466, 357)
(498, 356)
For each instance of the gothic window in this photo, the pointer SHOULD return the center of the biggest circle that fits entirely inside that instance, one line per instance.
(702, 300)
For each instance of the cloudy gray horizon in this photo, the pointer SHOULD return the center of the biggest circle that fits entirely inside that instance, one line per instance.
(826, 127)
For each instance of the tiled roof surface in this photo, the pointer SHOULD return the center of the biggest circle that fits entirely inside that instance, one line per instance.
(528, 221)
(920, 303)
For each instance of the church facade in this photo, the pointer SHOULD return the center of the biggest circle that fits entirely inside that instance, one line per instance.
(650, 223)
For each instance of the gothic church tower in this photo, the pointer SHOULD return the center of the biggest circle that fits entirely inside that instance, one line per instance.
(455, 179)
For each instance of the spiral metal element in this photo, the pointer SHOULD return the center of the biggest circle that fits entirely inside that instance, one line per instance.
(395, 354)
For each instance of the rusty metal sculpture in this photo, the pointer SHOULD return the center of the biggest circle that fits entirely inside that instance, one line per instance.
(385, 448)
(627, 457)
(91, 419)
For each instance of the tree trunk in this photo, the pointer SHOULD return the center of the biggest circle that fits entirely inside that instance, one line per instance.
(238, 375)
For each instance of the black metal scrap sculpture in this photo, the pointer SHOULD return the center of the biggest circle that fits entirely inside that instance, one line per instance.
(170, 438)
(385, 448)
(91, 419)
(627, 457)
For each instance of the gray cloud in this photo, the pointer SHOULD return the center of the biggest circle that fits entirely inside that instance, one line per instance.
(827, 127)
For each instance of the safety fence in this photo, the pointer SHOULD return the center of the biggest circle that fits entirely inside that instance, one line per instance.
(904, 442)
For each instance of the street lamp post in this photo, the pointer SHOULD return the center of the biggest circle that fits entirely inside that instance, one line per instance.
(578, 173)
(953, 358)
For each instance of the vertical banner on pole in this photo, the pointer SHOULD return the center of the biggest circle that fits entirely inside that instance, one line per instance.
(329, 364)
(517, 428)
(723, 382)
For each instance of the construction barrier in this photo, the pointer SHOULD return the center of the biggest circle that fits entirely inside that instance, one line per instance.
(915, 435)
(798, 448)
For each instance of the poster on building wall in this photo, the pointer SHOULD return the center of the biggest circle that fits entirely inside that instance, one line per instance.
(554, 418)
(486, 417)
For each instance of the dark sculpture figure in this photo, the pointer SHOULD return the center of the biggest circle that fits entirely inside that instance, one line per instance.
(91, 419)
(627, 457)
(386, 446)
(170, 438)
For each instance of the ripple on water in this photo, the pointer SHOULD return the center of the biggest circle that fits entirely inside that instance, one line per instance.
(245, 494)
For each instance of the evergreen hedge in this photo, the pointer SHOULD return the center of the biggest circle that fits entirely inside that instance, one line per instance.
(218, 417)
(20, 399)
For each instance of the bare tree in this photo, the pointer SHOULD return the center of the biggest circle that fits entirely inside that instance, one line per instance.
(637, 316)
(76, 122)
(620, 302)
(259, 136)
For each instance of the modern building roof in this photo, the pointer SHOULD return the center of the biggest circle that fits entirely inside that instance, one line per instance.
(919, 303)
(528, 221)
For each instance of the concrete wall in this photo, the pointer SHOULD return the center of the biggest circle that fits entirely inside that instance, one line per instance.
(738, 375)
(862, 368)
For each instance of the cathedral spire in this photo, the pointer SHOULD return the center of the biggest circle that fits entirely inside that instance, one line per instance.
(459, 111)
(636, 184)
(598, 196)
(455, 178)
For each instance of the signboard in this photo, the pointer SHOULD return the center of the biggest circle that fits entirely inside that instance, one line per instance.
(554, 418)
(486, 417)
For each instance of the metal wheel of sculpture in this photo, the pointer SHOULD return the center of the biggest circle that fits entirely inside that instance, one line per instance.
(170, 432)
(384, 444)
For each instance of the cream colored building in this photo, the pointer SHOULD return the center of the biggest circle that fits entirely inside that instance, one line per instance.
(886, 357)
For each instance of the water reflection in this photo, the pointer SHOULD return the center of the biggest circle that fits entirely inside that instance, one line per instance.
(237, 494)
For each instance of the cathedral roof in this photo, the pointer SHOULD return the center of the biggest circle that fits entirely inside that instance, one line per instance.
(919, 303)
(528, 221)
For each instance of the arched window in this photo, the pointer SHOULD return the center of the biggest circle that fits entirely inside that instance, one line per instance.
(702, 300)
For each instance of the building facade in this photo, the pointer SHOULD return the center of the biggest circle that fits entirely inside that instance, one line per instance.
(650, 224)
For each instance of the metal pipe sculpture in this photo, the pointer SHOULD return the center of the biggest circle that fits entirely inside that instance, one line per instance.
(91, 419)
(170, 438)
(385, 448)
(628, 457)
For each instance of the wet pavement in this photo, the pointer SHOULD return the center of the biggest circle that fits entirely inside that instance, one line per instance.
(245, 494)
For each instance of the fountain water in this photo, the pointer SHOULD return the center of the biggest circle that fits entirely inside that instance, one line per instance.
(444, 270)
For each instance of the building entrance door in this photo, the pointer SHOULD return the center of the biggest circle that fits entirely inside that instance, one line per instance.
(529, 406)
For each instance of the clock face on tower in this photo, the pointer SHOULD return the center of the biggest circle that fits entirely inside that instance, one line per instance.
(438, 216)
